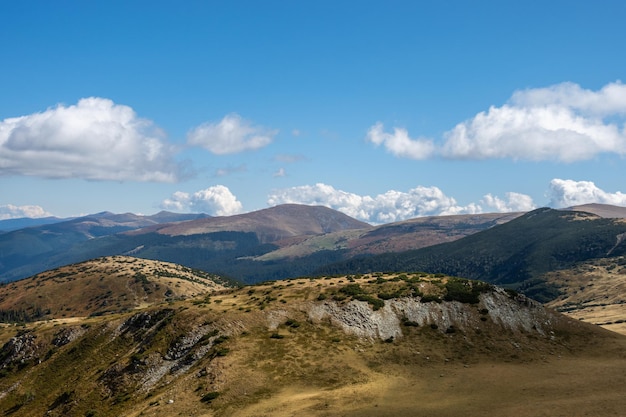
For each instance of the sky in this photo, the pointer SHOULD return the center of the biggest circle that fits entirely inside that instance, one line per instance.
(383, 110)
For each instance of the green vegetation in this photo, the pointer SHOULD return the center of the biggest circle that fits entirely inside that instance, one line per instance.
(514, 254)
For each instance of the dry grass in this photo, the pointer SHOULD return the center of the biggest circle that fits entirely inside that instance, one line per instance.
(314, 369)
(104, 285)
(594, 292)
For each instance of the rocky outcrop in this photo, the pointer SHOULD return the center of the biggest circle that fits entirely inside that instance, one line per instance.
(515, 313)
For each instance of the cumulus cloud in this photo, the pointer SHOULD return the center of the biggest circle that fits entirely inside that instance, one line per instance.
(567, 193)
(232, 134)
(9, 211)
(399, 143)
(94, 139)
(392, 205)
(564, 123)
(216, 201)
(514, 202)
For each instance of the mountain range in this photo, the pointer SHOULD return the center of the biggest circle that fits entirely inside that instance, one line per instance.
(286, 241)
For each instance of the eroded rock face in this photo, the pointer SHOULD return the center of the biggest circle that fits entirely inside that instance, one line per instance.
(20, 349)
(513, 313)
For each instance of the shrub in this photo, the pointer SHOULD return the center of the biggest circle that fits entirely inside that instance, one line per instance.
(352, 289)
(209, 396)
(292, 323)
(427, 298)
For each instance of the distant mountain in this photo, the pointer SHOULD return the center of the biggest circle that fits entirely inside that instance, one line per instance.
(229, 245)
(30, 250)
(269, 225)
(295, 240)
(514, 254)
(393, 237)
(9, 225)
(602, 210)
(279, 242)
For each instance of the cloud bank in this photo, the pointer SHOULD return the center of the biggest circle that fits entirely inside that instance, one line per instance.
(564, 123)
(394, 205)
(216, 201)
(94, 139)
(567, 193)
(232, 134)
(9, 211)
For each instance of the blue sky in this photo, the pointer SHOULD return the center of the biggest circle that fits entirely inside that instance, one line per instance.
(383, 110)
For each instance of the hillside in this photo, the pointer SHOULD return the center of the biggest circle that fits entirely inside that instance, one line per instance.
(593, 291)
(377, 344)
(514, 254)
(269, 225)
(393, 237)
(31, 250)
(214, 244)
(602, 210)
(101, 286)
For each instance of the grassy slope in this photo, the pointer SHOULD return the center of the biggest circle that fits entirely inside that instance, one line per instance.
(514, 254)
(110, 284)
(593, 291)
(314, 369)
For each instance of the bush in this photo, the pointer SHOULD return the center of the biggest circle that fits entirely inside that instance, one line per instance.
(209, 396)
(352, 290)
(292, 323)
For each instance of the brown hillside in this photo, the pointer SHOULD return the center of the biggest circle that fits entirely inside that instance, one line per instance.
(270, 225)
(320, 347)
(594, 292)
(105, 285)
(393, 237)
(602, 210)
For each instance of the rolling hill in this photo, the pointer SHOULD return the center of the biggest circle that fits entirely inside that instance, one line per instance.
(100, 286)
(27, 251)
(357, 345)
(514, 254)
(275, 243)
(593, 291)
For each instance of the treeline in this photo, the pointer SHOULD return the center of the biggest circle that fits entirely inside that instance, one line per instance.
(22, 316)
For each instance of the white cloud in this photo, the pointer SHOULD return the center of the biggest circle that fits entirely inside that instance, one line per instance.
(567, 193)
(9, 211)
(232, 134)
(384, 208)
(563, 123)
(515, 202)
(95, 139)
(216, 201)
(399, 143)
